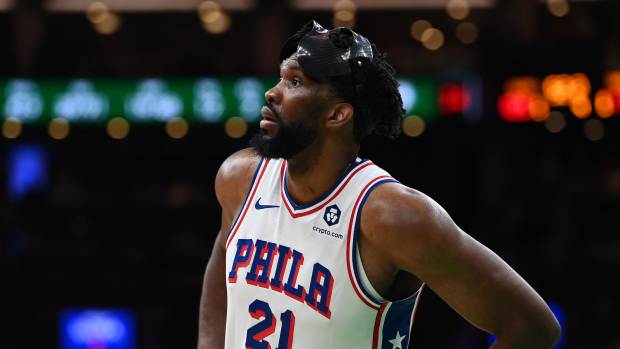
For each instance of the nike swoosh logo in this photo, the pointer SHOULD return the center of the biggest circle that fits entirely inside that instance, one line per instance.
(258, 206)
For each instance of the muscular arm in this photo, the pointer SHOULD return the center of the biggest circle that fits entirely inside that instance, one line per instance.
(211, 328)
(231, 185)
(413, 233)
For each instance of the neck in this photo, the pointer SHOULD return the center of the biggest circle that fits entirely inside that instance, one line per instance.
(315, 170)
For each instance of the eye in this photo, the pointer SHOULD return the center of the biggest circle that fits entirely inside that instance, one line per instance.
(295, 82)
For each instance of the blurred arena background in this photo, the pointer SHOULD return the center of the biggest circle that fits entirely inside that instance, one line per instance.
(116, 115)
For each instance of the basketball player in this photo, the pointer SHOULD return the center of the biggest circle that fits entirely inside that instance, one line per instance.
(316, 244)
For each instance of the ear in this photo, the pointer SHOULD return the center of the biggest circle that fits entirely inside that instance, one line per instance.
(341, 114)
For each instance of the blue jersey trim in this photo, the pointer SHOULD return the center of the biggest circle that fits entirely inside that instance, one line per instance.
(326, 194)
(245, 201)
(398, 320)
(358, 216)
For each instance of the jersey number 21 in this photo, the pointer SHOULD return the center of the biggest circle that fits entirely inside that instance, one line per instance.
(255, 338)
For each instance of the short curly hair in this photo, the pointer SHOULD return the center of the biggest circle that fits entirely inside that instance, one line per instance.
(372, 90)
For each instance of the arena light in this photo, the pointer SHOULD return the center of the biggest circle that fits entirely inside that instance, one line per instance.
(466, 32)
(594, 130)
(11, 128)
(528, 88)
(236, 127)
(110, 24)
(205, 100)
(153, 100)
(413, 126)
(612, 83)
(27, 170)
(58, 128)
(418, 27)
(612, 80)
(315, 5)
(209, 11)
(514, 107)
(538, 108)
(604, 104)
(344, 13)
(97, 12)
(454, 98)
(526, 84)
(251, 94)
(97, 328)
(420, 97)
(214, 19)
(556, 122)
(117, 128)
(561, 89)
(6, 5)
(144, 5)
(80, 101)
(24, 100)
(581, 107)
(580, 85)
(558, 8)
(473, 85)
(457, 9)
(568, 90)
(433, 39)
(555, 89)
(221, 25)
(177, 128)
(408, 94)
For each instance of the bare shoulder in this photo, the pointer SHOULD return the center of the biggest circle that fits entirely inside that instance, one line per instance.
(234, 178)
(397, 217)
(395, 205)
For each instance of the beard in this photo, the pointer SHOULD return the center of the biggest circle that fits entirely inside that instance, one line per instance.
(289, 140)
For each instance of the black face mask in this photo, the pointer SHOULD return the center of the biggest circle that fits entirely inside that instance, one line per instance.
(323, 53)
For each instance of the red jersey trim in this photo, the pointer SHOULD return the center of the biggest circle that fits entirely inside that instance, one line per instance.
(318, 206)
(248, 202)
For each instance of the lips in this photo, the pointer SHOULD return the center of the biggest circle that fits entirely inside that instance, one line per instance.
(267, 114)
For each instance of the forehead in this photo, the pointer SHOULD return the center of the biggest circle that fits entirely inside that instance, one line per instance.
(291, 66)
(290, 63)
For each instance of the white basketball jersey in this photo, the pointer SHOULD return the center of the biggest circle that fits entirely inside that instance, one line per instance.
(294, 275)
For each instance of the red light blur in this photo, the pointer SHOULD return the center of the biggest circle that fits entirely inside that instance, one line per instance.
(616, 102)
(514, 107)
(454, 98)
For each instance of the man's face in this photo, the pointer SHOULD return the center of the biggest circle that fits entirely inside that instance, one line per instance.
(292, 118)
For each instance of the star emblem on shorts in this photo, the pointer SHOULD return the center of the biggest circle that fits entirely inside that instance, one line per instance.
(397, 342)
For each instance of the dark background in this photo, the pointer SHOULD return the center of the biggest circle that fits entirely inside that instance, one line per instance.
(131, 223)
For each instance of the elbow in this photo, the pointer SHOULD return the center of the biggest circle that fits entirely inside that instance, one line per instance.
(549, 329)
(554, 331)
(530, 334)
(547, 333)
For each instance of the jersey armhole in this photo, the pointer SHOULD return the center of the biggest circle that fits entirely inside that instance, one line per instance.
(260, 169)
(359, 280)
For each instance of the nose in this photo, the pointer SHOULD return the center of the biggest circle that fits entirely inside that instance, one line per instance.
(273, 95)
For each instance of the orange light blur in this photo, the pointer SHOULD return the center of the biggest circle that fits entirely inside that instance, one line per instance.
(612, 81)
(538, 108)
(236, 127)
(581, 107)
(579, 85)
(561, 89)
(555, 89)
(604, 103)
(528, 84)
